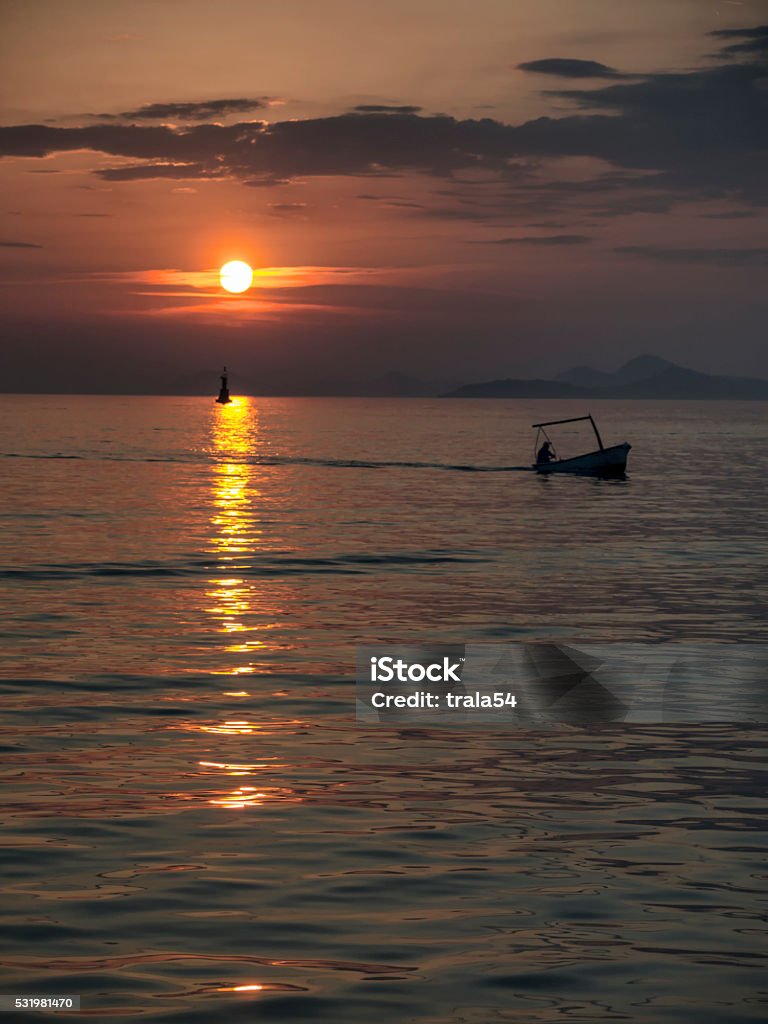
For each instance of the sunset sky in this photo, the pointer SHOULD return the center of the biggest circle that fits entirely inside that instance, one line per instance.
(457, 190)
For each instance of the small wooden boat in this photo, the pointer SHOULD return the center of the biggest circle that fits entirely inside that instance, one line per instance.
(607, 462)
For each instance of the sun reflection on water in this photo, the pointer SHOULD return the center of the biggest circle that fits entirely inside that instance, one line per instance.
(236, 534)
(240, 606)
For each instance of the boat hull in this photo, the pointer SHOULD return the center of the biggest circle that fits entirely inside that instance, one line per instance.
(605, 462)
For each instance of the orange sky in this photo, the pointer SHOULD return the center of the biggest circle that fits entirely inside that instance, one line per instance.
(387, 174)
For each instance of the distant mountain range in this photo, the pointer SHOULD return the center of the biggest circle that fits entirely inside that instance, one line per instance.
(648, 377)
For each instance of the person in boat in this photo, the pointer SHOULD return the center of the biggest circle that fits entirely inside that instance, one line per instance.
(545, 454)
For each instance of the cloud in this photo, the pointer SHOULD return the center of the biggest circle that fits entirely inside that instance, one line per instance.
(566, 67)
(386, 199)
(20, 245)
(192, 111)
(753, 257)
(147, 172)
(704, 132)
(536, 240)
(699, 134)
(384, 108)
(751, 40)
(288, 209)
(344, 144)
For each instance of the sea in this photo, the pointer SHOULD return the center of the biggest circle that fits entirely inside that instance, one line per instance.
(196, 828)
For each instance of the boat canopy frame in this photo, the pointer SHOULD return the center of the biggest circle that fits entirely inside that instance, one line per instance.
(572, 419)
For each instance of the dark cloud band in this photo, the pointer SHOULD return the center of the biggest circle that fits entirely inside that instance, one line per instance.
(191, 111)
(565, 67)
(701, 133)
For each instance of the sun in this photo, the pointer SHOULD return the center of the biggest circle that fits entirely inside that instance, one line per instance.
(236, 276)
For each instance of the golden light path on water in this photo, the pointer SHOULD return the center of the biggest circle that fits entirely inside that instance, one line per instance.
(240, 608)
(235, 531)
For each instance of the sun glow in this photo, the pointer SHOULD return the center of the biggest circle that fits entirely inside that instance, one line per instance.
(236, 276)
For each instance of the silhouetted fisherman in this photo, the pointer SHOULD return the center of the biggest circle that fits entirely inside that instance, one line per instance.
(545, 454)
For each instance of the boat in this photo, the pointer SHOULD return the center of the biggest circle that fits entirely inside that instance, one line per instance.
(605, 462)
(224, 398)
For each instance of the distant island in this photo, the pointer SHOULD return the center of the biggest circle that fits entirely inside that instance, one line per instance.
(648, 377)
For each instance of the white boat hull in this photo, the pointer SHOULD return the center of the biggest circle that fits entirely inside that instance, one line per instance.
(605, 462)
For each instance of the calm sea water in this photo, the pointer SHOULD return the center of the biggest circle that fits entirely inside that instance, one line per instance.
(196, 830)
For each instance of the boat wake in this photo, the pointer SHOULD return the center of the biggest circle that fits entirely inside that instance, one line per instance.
(279, 460)
(253, 566)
